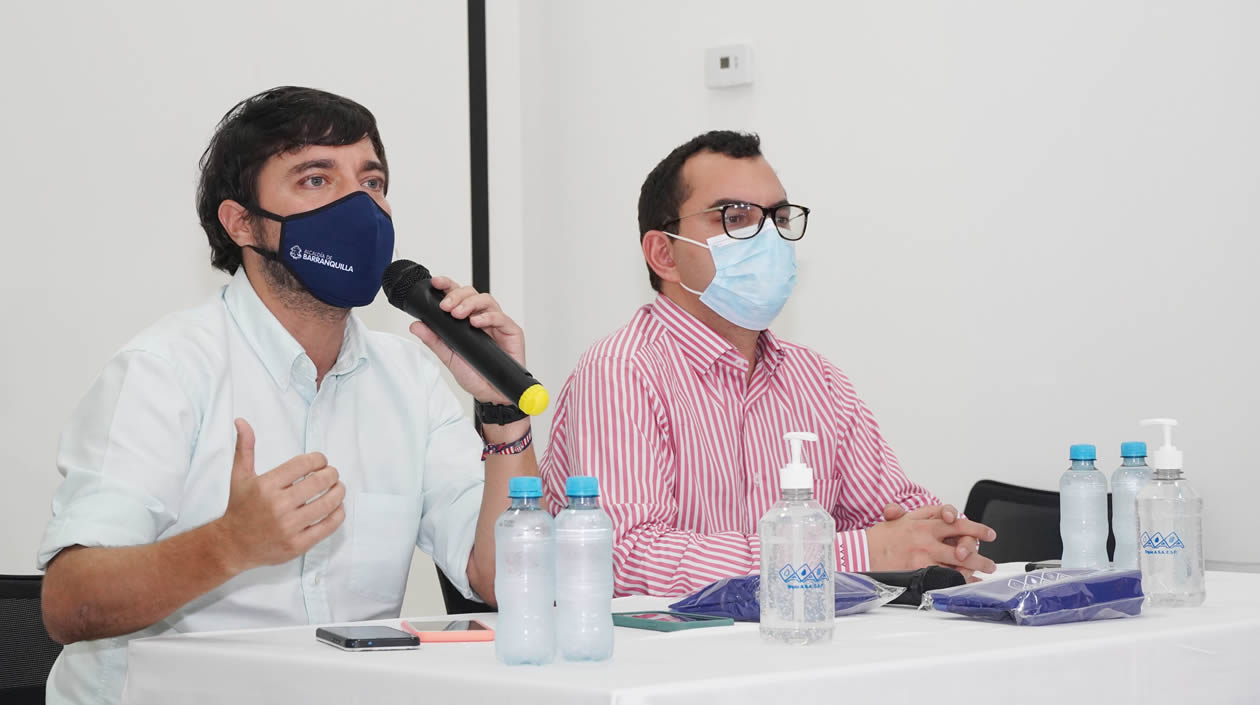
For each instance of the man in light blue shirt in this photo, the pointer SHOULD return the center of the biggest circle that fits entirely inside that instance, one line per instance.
(263, 459)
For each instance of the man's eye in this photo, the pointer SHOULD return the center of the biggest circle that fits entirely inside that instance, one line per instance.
(316, 181)
(375, 183)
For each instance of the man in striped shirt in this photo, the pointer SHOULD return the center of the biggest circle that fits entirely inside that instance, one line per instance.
(681, 413)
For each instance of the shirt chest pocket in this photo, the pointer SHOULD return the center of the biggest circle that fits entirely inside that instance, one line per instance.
(385, 527)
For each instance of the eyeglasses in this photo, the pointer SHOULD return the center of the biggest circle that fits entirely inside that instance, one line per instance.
(789, 219)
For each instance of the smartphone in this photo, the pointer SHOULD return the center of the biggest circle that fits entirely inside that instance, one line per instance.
(449, 630)
(367, 638)
(668, 621)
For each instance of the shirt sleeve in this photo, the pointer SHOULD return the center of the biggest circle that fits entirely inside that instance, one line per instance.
(124, 456)
(452, 486)
(610, 425)
(872, 477)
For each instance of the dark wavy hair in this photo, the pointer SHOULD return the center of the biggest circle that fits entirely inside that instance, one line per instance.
(276, 121)
(664, 190)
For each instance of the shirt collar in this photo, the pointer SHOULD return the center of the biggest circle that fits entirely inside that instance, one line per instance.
(280, 353)
(701, 345)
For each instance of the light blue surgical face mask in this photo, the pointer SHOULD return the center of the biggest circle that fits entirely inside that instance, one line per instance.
(752, 278)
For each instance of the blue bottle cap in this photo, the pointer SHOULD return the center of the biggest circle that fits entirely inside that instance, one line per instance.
(1133, 449)
(582, 486)
(1083, 451)
(524, 487)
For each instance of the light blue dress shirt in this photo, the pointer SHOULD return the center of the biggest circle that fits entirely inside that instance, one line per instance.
(148, 455)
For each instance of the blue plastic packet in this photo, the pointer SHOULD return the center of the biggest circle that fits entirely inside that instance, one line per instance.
(1043, 597)
(738, 598)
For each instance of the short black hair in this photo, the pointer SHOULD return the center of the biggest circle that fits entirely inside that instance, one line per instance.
(664, 191)
(276, 121)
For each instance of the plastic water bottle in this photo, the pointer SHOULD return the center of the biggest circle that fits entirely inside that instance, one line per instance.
(524, 577)
(798, 557)
(1126, 482)
(1083, 511)
(584, 574)
(1170, 522)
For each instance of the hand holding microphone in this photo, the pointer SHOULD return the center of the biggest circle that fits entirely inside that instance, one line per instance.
(482, 346)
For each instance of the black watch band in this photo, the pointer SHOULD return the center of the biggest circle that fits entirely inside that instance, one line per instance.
(498, 414)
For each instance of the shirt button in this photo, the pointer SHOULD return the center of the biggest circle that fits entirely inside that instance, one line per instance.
(318, 580)
(757, 481)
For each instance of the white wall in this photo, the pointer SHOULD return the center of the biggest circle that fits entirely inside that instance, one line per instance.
(1034, 224)
(108, 107)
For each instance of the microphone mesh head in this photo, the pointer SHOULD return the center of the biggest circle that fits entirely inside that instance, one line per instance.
(400, 276)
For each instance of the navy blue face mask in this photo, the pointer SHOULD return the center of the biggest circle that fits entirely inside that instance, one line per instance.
(338, 251)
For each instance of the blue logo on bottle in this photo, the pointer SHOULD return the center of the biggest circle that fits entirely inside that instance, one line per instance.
(1157, 544)
(804, 577)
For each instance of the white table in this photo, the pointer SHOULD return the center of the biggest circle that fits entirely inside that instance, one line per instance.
(891, 655)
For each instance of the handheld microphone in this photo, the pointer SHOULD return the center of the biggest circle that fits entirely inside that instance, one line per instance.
(409, 286)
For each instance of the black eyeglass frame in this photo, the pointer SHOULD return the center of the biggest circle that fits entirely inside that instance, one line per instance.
(765, 213)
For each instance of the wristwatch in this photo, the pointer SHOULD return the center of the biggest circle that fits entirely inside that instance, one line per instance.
(498, 414)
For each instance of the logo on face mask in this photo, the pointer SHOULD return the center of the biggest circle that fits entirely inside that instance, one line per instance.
(318, 258)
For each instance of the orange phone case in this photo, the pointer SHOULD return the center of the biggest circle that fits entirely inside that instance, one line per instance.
(486, 634)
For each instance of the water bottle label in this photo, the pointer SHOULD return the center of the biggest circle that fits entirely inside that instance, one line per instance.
(1157, 544)
(803, 578)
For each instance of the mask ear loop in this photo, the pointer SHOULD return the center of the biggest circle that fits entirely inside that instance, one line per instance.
(705, 245)
(272, 255)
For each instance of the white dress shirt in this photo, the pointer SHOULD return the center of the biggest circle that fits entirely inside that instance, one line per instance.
(148, 455)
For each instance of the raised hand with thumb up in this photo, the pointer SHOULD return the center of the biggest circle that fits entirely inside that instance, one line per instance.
(276, 516)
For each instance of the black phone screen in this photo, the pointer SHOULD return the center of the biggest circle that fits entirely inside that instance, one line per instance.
(366, 636)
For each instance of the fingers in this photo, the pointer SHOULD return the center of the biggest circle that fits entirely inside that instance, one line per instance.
(964, 547)
(444, 283)
(289, 471)
(320, 530)
(978, 564)
(322, 507)
(965, 527)
(432, 341)
(948, 513)
(495, 320)
(311, 486)
(465, 301)
(893, 512)
(243, 460)
(943, 555)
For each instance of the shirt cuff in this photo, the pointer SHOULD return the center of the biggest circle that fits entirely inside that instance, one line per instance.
(852, 555)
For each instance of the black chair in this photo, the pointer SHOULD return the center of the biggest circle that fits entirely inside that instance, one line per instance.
(1026, 522)
(457, 603)
(26, 651)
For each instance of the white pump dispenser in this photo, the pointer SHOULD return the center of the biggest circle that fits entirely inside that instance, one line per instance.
(1167, 457)
(796, 475)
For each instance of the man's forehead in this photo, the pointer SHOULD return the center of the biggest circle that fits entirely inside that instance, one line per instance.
(710, 176)
(354, 154)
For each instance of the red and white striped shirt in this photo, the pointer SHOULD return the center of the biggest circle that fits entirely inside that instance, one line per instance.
(687, 452)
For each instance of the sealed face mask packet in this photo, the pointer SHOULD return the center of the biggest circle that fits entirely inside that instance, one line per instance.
(738, 598)
(1043, 597)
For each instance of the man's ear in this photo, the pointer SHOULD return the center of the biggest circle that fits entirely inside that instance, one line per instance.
(236, 221)
(659, 253)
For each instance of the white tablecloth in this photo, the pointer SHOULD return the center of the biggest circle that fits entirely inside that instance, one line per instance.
(891, 655)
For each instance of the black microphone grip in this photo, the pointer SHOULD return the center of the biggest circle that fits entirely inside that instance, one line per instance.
(409, 286)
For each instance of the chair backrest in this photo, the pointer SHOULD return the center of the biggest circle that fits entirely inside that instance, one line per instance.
(26, 650)
(1026, 521)
(457, 603)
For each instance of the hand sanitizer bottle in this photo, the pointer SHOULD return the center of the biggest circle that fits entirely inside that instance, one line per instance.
(1170, 530)
(798, 557)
